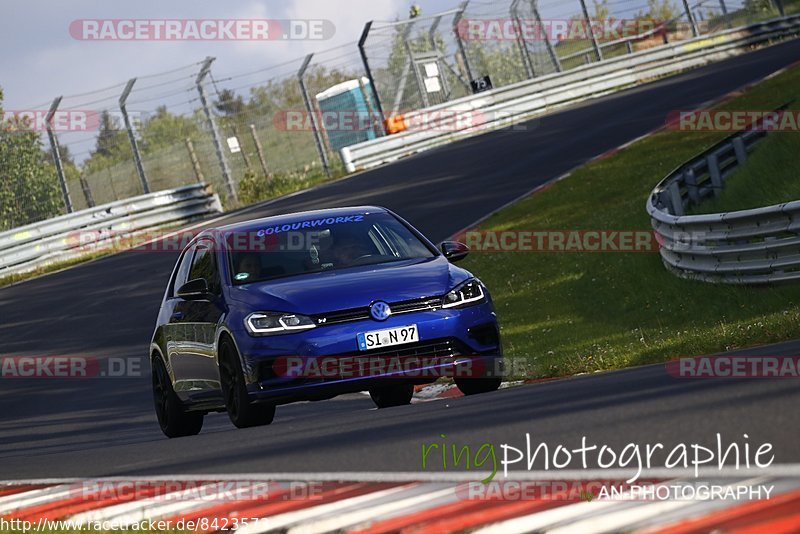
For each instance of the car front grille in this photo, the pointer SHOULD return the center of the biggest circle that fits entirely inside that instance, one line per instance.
(437, 348)
(359, 314)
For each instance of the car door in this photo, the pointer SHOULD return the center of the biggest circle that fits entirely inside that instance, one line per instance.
(194, 323)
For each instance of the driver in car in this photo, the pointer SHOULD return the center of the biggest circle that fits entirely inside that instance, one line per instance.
(349, 247)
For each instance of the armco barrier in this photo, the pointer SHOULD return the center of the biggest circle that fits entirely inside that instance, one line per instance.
(754, 246)
(35, 245)
(507, 105)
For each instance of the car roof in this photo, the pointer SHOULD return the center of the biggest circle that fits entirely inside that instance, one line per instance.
(289, 218)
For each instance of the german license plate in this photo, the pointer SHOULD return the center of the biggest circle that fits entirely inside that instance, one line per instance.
(388, 337)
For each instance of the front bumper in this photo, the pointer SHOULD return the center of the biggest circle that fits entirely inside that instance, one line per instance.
(325, 361)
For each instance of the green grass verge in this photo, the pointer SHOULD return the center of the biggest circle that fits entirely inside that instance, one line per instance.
(566, 313)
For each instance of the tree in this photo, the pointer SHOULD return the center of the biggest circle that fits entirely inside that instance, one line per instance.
(757, 7)
(29, 190)
(661, 10)
(111, 147)
(229, 103)
(601, 11)
(164, 129)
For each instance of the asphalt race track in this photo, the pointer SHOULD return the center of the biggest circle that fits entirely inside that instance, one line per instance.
(106, 308)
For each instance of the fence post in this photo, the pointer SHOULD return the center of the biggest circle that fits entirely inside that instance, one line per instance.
(523, 50)
(675, 200)
(690, 179)
(550, 48)
(198, 172)
(62, 181)
(460, 42)
(689, 16)
(323, 155)
(223, 160)
(368, 71)
(137, 159)
(595, 45)
(714, 172)
(260, 152)
(724, 9)
(740, 150)
(87, 191)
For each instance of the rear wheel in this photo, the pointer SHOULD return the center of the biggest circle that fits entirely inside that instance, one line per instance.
(174, 420)
(473, 386)
(241, 411)
(394, 395)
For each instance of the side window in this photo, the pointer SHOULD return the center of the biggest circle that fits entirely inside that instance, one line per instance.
(182, 274)
(204, 266)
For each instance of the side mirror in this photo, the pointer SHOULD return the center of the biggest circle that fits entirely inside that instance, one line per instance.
(454, 251)
(196, 289)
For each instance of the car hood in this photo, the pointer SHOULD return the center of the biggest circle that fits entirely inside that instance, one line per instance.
(354, 287)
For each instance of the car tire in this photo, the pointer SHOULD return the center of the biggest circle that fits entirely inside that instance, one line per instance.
(242, 412)
(174, 420)
(474, 386)
(394, 395)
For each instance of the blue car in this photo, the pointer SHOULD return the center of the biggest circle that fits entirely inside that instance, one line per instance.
(312, 305)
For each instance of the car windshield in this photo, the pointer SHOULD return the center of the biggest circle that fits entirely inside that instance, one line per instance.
(320, 244)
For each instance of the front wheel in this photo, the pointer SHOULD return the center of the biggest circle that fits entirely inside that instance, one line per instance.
(394, 395)
(241, 411)
(473, 386)
(174, 420)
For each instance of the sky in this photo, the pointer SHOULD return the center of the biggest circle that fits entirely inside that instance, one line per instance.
(41, 60)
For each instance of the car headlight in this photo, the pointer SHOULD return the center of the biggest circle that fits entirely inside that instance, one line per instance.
(468, 293)
(270, 323)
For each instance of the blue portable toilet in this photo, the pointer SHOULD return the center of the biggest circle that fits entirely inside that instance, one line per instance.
(345, 114)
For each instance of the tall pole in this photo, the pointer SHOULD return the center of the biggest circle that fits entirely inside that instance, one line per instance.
(460, 42)
(550, 48)
(597, 51)
(315, 128)
(689, 16)
(368, 71)
(137, 159)
(62, 180)
(523, 50)
(223, 160)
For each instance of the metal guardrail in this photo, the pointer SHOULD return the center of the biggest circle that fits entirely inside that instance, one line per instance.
(507, 105)
(61, 238)
(754, 246)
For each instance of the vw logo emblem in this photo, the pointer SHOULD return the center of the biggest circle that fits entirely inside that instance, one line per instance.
(380, 311)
